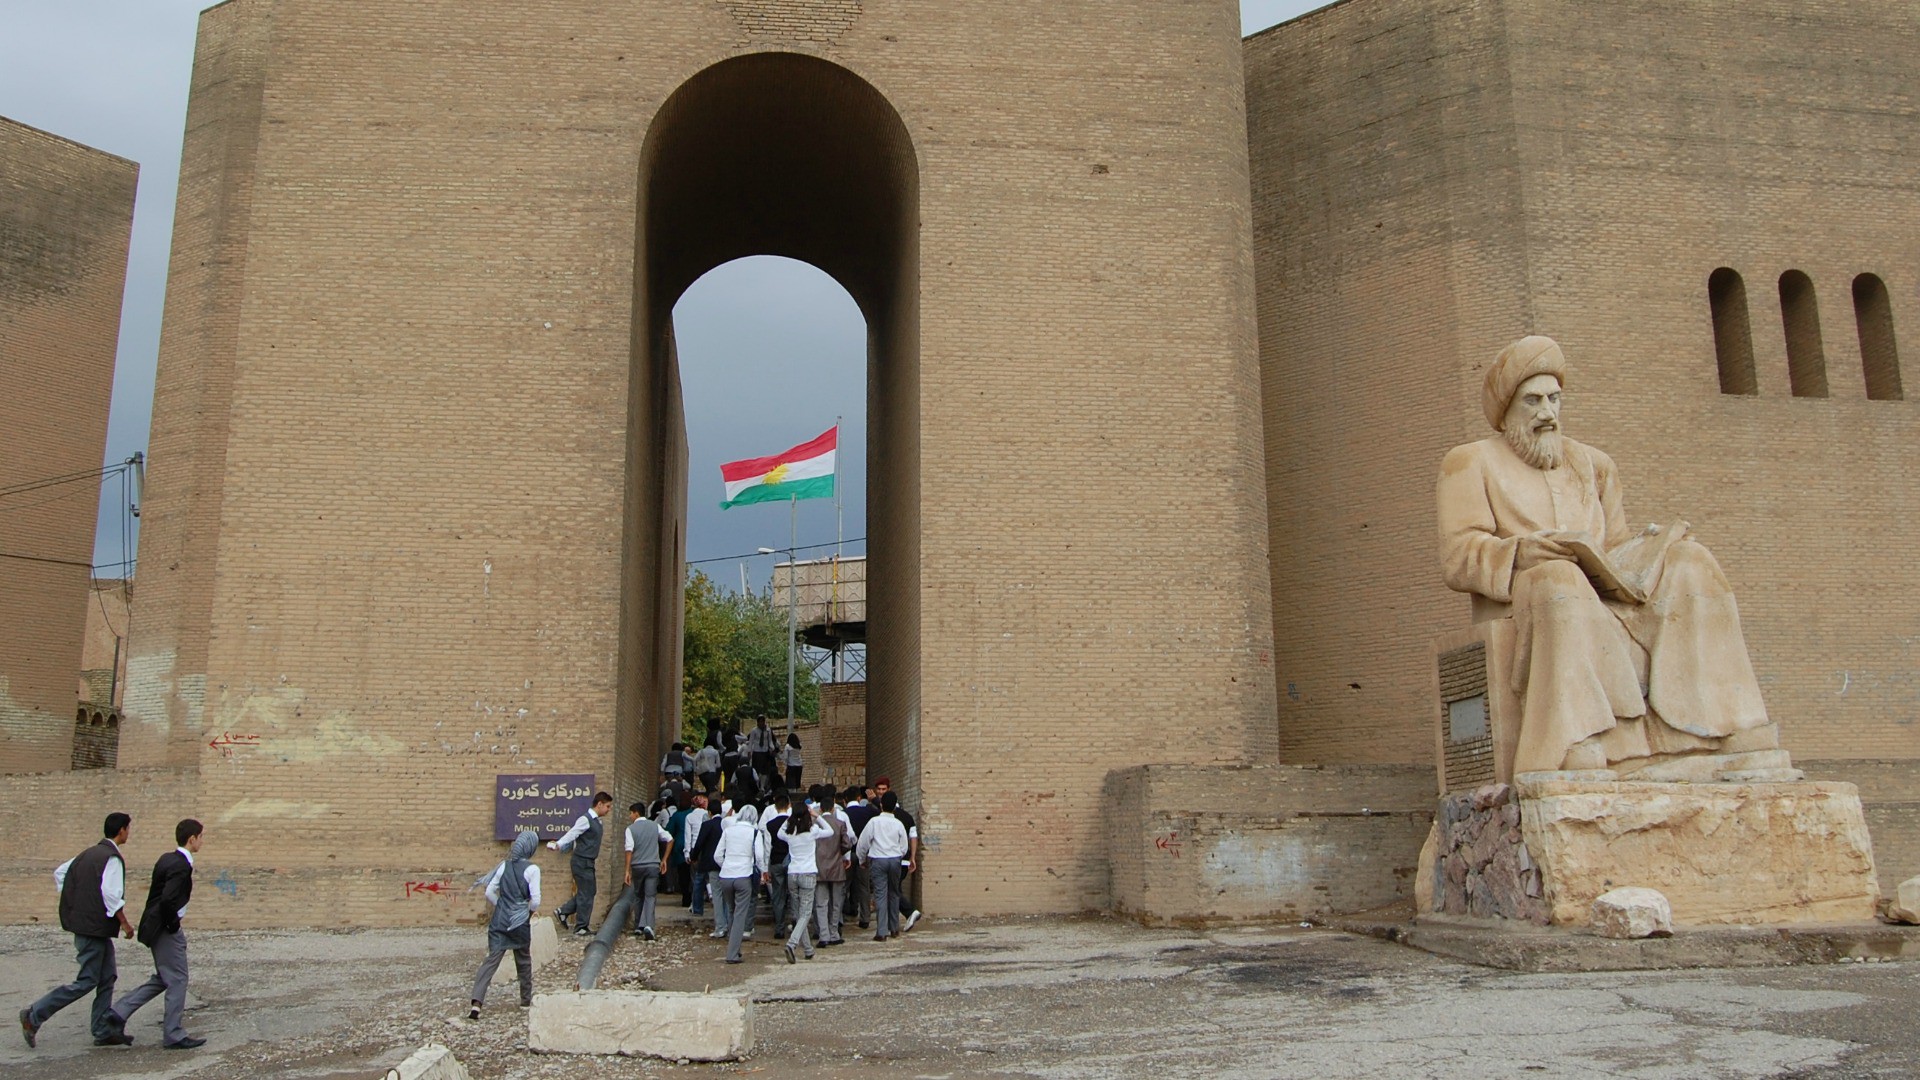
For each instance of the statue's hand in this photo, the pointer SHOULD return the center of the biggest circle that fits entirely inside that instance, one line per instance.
(1536, 548)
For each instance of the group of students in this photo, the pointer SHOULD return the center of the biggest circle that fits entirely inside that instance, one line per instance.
(818, 861)
(756, 762)
(93, 908)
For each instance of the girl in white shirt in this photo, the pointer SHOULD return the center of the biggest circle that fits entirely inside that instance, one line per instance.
(803, 873)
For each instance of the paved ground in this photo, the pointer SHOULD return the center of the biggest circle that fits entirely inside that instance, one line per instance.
(1066, 999)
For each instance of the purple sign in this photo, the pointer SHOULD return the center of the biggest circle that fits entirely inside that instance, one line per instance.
(548, 804)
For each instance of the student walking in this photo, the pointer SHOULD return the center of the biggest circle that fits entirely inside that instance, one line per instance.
(93, 908)
(832, 854)
(584, 839)
(803, 833)
(160, 931)
(882, 847)
(514, 891)
(648, 845)
(742, 857)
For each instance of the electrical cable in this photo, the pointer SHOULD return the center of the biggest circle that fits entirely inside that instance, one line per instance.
(778, 551)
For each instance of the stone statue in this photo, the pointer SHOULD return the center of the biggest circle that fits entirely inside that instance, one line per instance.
(1628, 649)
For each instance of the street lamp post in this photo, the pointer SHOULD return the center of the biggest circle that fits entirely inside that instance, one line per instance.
(793, 610)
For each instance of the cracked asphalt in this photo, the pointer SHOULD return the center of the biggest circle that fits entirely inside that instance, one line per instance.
(1073, 999)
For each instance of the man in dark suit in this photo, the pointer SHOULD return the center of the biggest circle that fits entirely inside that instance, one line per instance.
(93, 890)
(160, 931)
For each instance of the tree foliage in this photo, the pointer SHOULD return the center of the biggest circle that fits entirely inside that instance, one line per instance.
(735, 662)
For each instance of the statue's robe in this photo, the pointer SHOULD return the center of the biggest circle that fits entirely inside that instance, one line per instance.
(1668, 676)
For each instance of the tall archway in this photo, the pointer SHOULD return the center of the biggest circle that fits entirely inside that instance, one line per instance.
(774, 154)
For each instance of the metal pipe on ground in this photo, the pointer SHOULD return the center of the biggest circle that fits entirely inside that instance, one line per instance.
(601, 946)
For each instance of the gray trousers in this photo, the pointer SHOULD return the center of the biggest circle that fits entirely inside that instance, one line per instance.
(737, 894)
(800, 893)
(97, 974)
(170, 977)
(829, 909)
(886, 887)
(522, 966)
(859, 893)
(722, 904)
(581, 905)
(777, 896)
(646, 885)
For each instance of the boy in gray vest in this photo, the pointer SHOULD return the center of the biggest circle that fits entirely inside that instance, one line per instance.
(93, 907)
(584, 839)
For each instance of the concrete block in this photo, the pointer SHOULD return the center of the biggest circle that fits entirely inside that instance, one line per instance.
(1906, 902)
(545, 946)
(698, 1027)
(1632, 913)
(430, 1062)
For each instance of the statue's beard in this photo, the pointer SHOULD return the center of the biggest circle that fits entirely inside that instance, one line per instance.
(1540, 449)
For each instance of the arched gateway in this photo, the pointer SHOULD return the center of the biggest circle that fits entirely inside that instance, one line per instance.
(417, 473)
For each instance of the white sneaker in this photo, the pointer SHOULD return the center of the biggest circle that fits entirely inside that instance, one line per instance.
(912, 918)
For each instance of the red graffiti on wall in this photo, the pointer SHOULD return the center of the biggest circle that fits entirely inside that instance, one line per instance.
(423, 888)
(1169, 843)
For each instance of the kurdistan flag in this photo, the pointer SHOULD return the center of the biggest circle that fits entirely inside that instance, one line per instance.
(804, 472)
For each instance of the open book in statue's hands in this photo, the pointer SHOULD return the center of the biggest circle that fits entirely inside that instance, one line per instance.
(1626, 572)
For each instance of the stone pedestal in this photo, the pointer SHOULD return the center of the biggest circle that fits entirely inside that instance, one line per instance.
(1722, 853)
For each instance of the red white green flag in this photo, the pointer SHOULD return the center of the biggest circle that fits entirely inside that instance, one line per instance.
(804, 472)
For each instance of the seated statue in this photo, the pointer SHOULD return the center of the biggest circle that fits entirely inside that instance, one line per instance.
(1627, 644)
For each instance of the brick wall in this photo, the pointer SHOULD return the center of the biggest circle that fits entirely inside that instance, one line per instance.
(1433, 180)
(66, 212)
(414, 457)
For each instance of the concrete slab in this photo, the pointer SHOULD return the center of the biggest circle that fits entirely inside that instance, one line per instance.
(694, 1027)
(430, 1062)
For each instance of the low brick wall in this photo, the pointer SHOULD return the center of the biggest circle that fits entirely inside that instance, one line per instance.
(1191, 843)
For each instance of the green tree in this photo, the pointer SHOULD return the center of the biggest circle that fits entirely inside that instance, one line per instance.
(735, 662)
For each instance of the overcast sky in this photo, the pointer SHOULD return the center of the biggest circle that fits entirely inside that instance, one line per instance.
(113, 74)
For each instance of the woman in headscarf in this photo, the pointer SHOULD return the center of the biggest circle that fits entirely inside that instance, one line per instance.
(514, 891)
(742, 855)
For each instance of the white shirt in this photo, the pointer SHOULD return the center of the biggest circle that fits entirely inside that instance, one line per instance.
(883, 838)
(581, 826)
(664, 834)
(794, 758)
(707, 760)
(189, 858)
(742, 851)
(113, 882)
(801, 851)
(531, 877)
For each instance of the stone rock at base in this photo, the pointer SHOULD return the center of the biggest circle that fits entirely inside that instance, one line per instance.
(1763, 776)
(1632, 913)
(545, 945)
(697, 1027)
(1754, 854)
(1906, 902)
(430, 1062)
(1426, 870)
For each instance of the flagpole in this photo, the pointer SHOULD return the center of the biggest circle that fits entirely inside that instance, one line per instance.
(839, 507)
(793, 594)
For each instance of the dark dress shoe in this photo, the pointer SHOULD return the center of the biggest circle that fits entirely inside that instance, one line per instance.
(118, 1038)
(187, 1043)
(28, 1028)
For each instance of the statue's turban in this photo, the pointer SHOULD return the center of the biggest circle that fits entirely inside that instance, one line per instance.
(1517, 363)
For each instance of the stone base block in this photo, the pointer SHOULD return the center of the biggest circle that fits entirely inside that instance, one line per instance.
(697, 1027)
(430, 1062)
(545, 946)
(1747, 854)
(1200, 844)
